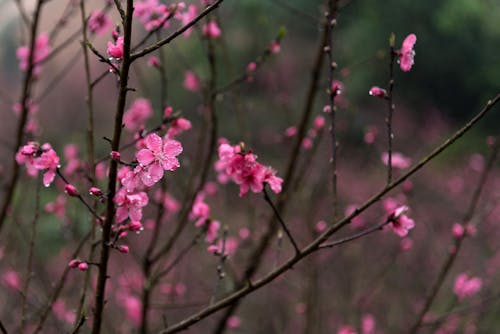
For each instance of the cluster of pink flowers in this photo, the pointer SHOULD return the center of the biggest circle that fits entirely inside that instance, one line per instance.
(115, 49)
(307, 142)
(466, 286)
(39, 158)
(41, 51)
(242, 167)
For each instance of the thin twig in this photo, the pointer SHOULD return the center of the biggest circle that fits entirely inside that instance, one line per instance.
(390, 109)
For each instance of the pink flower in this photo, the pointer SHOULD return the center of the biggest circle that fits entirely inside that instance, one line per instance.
(346, 329)
(251, 67)
(152, 14)
(466, 287)
(406, 54)
(212, 230)
(211, 30)
(159, 155)
(189, 15)
(179, 125)
(132, 306)
(137, 114)
(38, 158)
(95, 192)
(123, 249)
(200, 210)
(378, 92)
(130, 205)
(115, 50)
(337, 87)
(154, 62)
(11, 280)
(400, 223)
(291, 131)
(458, 231)
(319, 122)
(368, 324)
(233, 322)
(275, 47)
(191, 82)
(98, 22)
(83, 266)
(41, 51)
(58, 207)
(62, 312)
(320, 226)
(398, 160)
(229, 247)
(406, 244)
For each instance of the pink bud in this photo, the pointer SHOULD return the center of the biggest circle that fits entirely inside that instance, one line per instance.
(153, 61)
(251, 66)
(83, 266)
(458, 230)
(115, 155)
(275, 47)
(168, 111)
(123, 249)
(95, 191)
(74, 263)
(71, 190)
(135, 226)
(378, 92)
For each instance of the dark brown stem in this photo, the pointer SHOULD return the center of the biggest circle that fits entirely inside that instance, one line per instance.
(390, 109)
(25, 96)
(113, 170)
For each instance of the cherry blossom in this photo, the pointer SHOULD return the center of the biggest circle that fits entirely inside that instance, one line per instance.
(41, 51)
(211, 30)
(159, 155)
(137, 114)
(406, 53)
(98, 22)
(39, 158)
(466, 286)
(130, 205)
(378, 92)
(398, 160)
(401, 223)
(191, 82)
(115, 50)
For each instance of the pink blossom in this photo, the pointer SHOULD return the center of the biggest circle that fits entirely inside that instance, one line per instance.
(98, 22)
(291, 131)
(212, 230)
(115, 50)
(211, 30)
(307, 143)
(187, 16)
(62, 312)
(398, 160)
(368, 324)
(38, 158)
(233, 322)
(58, 207)
(154, 62)
(401, 223)
(74, 263)
(244, 233)
(337, 87)
(41, 51)
(319, 122)
(406, 244)
(178, 126)
(123, 249)
(251, 67)
(132, 306)
(320, 226)
(137, 114)
(378, 92)
(95, 192)
(229, 247)
(406, 54)
(191, 82)
(346, 329)
(466, 286)
(130, 205)
(159, 155)
(200, 210)
(477, 162)
(72, 162)
(152, 14)
(371, 134)
(458, 231)
(83, 266)
(275, 47)
(244, 170)
(115, 155)
(11, 279)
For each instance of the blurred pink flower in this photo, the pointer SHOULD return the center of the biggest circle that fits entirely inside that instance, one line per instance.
(41, 51)
(191, 82)
(211, 30)
(137, 114)
(466, 286)
(233, 322)
(398, 160)
(378, 92)
(406, 53)
(368, 324)
(98, 22)
(11, 279)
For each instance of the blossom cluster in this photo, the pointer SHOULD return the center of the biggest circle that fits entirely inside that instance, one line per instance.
(37, 158)
(243, 169)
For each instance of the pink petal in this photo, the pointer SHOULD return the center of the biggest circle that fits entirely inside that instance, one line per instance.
(145, 157)
(135, 213)
(408, 43)
(154, 142)
(172, 148)
(48, 177)
(121, 214)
